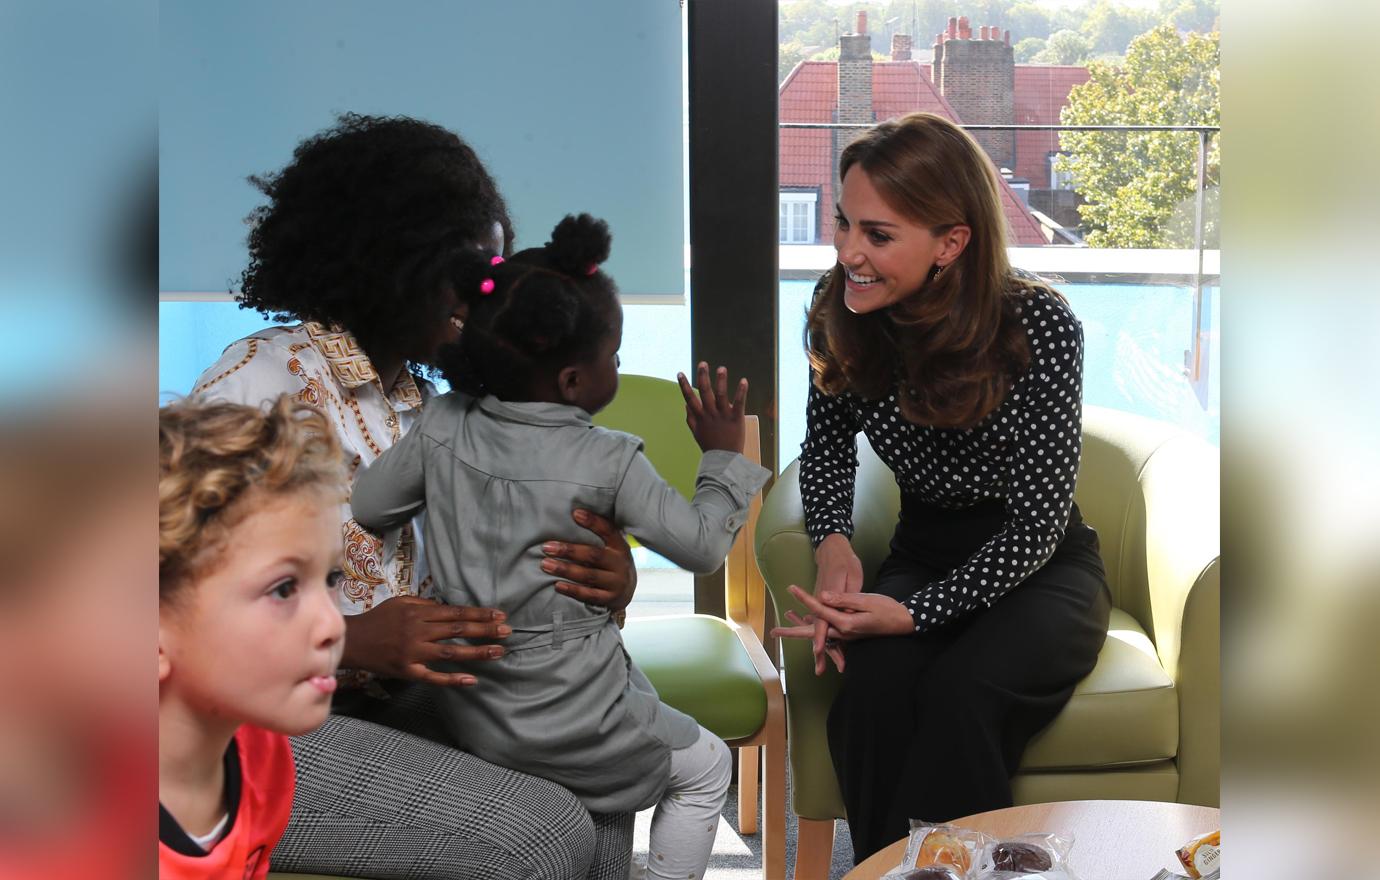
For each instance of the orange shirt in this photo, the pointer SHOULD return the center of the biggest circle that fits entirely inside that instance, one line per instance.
(260, 797)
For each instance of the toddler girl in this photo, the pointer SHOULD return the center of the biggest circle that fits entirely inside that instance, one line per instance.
(499, 464)
(249, 636)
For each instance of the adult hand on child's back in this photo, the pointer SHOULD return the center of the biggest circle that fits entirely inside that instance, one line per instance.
(598, 575)
(714, 418)
(400, 636)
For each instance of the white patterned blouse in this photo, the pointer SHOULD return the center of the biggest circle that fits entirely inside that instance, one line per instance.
(326, 368)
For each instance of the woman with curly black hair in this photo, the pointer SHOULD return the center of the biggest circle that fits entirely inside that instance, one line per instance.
(357, 244)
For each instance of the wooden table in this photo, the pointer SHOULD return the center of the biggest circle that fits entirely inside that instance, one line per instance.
(1112, 840)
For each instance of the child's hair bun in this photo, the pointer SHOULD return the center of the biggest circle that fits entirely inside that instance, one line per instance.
(579, 244)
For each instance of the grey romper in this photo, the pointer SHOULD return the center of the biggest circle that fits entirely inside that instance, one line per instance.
(565, 703)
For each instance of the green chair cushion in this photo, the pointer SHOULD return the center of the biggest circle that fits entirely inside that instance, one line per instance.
(698, 666)
(1125, 712)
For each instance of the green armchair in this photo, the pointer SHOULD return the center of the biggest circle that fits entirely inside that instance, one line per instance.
(1145, 724)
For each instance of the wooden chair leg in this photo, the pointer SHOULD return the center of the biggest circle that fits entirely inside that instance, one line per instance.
(774, 812)
(814, 849)
(749, 772)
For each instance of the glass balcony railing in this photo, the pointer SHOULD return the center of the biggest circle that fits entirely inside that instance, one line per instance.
(1150, 319)
(1150, 314)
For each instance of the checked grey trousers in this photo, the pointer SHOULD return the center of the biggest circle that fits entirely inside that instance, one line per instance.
(386, 798)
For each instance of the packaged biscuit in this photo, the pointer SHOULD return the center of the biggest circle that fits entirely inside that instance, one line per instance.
(1026, 857)
(939, 852)
(1202, 855)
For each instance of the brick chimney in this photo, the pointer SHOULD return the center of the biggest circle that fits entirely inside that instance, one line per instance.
(900, 47)
(978, 79)
(855, 85)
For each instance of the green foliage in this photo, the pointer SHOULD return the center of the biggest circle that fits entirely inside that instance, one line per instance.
(1140, 187)
(833, 55)
(1027, 49)
(1063, 47)
(1191, 15)
(1026, 20)
(788, 55)
(1110, 28)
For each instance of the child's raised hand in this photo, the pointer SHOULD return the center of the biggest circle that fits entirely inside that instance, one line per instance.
(714, 418)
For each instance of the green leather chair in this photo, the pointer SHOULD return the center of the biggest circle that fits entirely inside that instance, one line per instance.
(1145, 724)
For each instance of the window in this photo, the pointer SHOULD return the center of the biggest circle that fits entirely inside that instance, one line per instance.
(1058, 179)
(798, 217)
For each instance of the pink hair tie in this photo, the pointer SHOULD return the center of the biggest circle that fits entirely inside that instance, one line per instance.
(486, 286)
(495, 261)
(593, 267)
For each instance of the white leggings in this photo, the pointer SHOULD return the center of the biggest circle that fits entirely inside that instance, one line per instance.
(683, 826)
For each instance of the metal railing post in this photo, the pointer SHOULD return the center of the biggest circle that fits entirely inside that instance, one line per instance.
(1193, 358)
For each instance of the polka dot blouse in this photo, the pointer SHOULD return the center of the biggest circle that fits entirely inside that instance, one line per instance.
(1025, 453)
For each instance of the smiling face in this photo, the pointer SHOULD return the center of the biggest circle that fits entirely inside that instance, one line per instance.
(885, 255)
(256, 639)
(451, 311)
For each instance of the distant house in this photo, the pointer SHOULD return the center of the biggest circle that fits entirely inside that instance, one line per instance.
(978, 82)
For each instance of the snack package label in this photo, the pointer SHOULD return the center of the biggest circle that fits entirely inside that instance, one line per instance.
(1207, 859)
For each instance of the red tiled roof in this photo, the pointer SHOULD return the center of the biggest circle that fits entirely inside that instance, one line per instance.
(810, 94)
(1041, 92)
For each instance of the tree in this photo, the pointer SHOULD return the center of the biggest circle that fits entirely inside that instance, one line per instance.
(832, 54)
(788, 55)
(1110, 29)
(1063, 47)
(1027, 49)
(1140, 188)
(1069, 18)
(1026, 20)
(1191, 15)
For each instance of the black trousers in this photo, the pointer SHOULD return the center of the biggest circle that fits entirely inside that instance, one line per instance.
(932, 726)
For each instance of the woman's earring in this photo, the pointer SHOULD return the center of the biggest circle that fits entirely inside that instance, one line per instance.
(939, 270)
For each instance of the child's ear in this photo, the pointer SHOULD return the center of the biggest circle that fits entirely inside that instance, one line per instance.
(568, 384)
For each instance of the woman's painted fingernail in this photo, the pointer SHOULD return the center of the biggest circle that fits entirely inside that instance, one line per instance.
(505, 630)
(548, 566)
(551, 547)
(582, 517)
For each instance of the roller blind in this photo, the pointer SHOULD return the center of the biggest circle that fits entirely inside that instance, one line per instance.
(572, 106)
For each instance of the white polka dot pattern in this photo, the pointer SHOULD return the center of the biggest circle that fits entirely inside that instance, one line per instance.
(1025, 453)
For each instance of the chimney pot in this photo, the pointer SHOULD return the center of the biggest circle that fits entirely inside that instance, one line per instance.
(862, 21)
(1007, 38)
(965, 31)
(953, 27)
(982, 32)
(901, 45)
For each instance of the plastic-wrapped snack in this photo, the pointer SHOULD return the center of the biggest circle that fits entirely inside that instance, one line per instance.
(1026, 857)
(933, 872)
(1202, 855)
(939, 852)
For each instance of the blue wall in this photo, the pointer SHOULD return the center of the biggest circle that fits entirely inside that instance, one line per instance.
(573, 107)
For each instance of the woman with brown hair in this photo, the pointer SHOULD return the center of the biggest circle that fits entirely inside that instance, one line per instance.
(966, 377)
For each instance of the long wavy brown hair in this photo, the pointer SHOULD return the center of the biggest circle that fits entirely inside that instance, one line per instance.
(952, 350)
